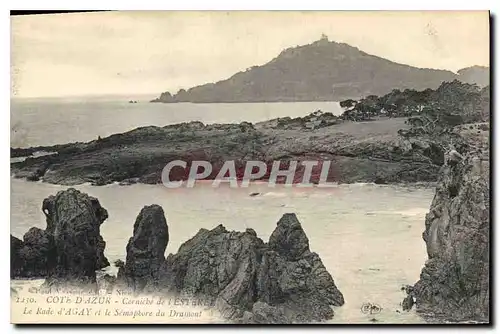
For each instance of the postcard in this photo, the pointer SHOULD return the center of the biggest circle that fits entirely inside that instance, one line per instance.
(272, 167)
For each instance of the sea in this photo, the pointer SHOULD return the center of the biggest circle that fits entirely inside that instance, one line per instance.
(368, 236)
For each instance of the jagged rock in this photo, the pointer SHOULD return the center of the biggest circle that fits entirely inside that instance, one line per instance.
(119, 264)
(34, 257)
(106, 282)
(263, 313)
(38, 253)
(407, 303)
(70, 249)
(146, 249)
(16, 262)
(250, 281)
(102, 261)
(455, 280)
(74, 220)
(290, 274)
(289, 239)
(217, 265)
(246, 126)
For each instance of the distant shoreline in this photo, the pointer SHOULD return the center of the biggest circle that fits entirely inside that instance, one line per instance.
(123, 99)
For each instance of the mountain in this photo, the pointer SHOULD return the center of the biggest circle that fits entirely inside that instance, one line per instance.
(320, 71)
(479, 75)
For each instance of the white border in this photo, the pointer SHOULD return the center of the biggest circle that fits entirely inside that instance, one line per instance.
(189, 5)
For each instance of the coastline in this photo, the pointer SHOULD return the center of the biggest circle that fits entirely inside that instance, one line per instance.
(360, 152)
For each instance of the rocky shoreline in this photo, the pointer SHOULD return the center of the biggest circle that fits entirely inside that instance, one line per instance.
(251, 281)
(245, 278)
(44, 253)
(454, 284)
(279, 281)
(455, 281)
(369, 152)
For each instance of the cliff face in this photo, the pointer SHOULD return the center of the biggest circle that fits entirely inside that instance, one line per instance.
(321, 71)
(455, 280)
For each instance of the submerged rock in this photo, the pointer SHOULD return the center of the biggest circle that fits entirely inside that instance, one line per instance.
(455, 280)
(246, 279)
(71, 248)
(146, 249)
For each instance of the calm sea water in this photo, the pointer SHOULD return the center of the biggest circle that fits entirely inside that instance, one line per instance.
(50, 121)
(368, 236)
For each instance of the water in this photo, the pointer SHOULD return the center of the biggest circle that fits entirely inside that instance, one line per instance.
(51, 121)
(368, 236)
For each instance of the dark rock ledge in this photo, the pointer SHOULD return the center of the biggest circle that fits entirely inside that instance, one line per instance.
(359, 151)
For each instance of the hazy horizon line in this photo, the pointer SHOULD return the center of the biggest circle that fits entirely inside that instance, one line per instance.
(157, 94)
(130, 95)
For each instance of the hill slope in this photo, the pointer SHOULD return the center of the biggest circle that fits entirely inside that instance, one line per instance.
(479, 75)
(319, 71)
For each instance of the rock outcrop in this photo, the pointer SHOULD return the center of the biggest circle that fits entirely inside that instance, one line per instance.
(74, 220)
(246, 279)
(102, 261)
(146, 250)
(305, 289)
(358, 151)
(36, 254)
(71, 248)
(315, 120)
(16, 260)
(218, 266)
(454, 283)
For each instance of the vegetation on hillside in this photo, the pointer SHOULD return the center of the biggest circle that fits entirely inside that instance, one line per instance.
(428, 111)
(320, 71)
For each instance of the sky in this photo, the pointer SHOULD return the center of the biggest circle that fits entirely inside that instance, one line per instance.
(136, 53)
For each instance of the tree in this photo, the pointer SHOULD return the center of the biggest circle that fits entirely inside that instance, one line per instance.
(454, 102)
(347, 103)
